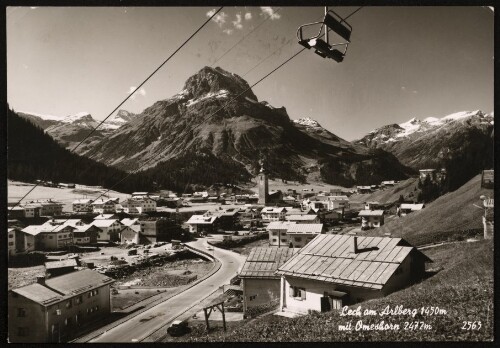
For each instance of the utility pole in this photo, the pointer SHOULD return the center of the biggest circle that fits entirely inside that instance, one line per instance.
(326, 28)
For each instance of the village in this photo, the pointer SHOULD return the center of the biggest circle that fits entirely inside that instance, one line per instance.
(306, 252)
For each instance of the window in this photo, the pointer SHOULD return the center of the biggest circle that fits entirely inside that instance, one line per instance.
(275, 233)
(11, 243)
(68, 304)
(22, 331)
(79, 299)
(297, 293)
(275, 240)
(51, 237)
(283, 240)
(11, 236)
(21, 312)
(252, 297)
(298, 239)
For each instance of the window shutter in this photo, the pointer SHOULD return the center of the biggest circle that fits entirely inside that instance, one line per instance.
(303, 294)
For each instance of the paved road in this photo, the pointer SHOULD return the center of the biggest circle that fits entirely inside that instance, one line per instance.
(142, 325)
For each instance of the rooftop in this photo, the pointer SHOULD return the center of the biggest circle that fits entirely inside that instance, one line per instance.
(329, 257)
(303, 217)
(412, 206)
(104, 223)
(263, 262)
(63, 287)
(279, 225)
(371, 213)
(305, 229)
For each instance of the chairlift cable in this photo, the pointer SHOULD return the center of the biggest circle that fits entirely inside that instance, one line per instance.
(211, 115)
(151, 75)
(244, 37)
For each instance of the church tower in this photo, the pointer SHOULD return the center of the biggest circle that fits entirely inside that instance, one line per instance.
(263, 185)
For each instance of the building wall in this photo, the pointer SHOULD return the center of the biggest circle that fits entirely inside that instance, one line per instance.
(110, 233)
(299, 240)
(34, 320)
(128, 235)
(315, 290)
(257, 292)
(411, 269)
(372, 221)
(278, 237)
(53, 240)
(11, 242)
(263, 188)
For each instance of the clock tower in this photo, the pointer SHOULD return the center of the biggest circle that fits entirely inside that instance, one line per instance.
(263, 184)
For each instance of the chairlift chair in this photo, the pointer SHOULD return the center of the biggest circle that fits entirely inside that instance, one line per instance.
(335, 23)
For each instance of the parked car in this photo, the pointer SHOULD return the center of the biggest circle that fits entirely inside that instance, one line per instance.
(178, 328)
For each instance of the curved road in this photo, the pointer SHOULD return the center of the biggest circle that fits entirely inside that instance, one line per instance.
(145, 323)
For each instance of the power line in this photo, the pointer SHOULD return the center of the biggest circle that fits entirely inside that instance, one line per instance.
(245, 36)
(211, 115)
(214, 113)
(130, 95)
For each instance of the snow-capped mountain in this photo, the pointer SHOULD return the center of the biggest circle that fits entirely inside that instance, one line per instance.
(191, 132)
(394, 132)
(464, 138)
(307, 122)
(71, 129)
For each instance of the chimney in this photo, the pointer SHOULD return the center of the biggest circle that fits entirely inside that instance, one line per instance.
(354, 245)
(40, 280)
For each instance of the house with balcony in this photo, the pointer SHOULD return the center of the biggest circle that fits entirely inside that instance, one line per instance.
(139, 205)
(109, 229)
(49, 236)
(206, 223)
(371, 218)
(270, 214)
(337, 270)
(58, 308)
(105, 205)
(83, 205)
(301, 234)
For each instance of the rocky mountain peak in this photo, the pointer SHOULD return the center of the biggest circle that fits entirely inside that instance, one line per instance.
(213, 81)
(307, 121)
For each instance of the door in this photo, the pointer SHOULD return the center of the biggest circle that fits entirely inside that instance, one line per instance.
(325, 304)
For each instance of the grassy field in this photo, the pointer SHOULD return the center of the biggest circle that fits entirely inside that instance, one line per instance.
(16, 190)
(464, 289)
(453, 211)
(389, 194)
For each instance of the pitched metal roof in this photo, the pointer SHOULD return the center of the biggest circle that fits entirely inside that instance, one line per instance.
(63, 287)
(305, 229)
(371, 213)
(201, 219)
(75, 283)
(39, 293)
(303, 217)
(105, 223)
(279, 225)
(328, 258)
(412, 206)
(263, 262)
(273, 210)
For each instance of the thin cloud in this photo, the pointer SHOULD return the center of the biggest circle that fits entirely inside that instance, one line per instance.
(228, 31)
(140, 92)
(248, 16)
(268, 11)
(237, 23)
(219, 18)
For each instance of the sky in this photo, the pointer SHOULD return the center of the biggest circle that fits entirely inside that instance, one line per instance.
(403, 62)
